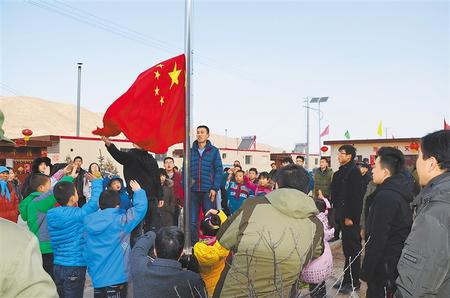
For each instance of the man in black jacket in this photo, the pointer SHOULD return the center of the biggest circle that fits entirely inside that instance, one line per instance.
(163, 276)
(141, 166)
(79, 181)
(346, 195)
(389, 220)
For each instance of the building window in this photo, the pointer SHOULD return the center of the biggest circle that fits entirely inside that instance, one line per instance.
(224, 155)
(160, 157)
(178, 153)
(248, 159)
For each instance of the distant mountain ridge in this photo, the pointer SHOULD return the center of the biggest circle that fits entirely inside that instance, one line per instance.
(45, 117)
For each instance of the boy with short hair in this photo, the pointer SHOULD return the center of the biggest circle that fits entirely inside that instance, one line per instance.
(116, 183)
(33, 210)
(66, 229)
(108, 241)
(163, 276)
(237, 191)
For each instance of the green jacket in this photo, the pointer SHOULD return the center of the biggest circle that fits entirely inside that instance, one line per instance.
(322, 181)
(33, 209)
(272, 238)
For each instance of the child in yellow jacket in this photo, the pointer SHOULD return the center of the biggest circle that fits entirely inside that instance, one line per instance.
(209, 253)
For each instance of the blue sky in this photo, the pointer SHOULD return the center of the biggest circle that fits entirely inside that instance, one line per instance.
(254, 61)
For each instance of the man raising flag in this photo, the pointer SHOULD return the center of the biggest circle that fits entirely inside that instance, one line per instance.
(151, 115)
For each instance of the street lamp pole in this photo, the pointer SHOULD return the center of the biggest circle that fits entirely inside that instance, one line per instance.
(319, 100)
(79, 98)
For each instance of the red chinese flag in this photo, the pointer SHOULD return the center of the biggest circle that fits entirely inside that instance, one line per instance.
(151, 113)
(446, 125)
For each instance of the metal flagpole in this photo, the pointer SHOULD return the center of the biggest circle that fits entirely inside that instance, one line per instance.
(187, 136)
(78, 98)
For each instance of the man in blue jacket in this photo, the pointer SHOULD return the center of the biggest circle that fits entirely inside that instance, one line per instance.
(206, 174)
(108, 241)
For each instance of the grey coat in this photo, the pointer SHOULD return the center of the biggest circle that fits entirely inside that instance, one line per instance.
(424, 266)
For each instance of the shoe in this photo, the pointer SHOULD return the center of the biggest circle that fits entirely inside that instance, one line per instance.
(338, 285)
(348, 289)
(333, 239)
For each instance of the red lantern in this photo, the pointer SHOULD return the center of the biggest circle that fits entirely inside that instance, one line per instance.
(27, 133)
(414, 146)
(324, 148)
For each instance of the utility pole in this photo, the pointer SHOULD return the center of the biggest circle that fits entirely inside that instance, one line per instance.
(79, 98)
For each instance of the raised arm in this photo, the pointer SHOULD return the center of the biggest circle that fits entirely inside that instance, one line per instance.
(92, 205)
(135, 214)
(121, 157)
(140, 250)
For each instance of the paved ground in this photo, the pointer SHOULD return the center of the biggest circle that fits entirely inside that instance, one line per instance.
(338, 262)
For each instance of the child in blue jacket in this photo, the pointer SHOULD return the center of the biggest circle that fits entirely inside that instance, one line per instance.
(108, 241)
(116, 183)
(66, 230)
(237, 192)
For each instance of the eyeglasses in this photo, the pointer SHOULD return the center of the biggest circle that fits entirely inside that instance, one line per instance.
(342, 153)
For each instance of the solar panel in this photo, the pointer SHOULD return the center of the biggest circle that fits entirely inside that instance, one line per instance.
(247, 143)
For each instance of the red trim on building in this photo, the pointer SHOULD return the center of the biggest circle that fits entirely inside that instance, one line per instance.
(233, 149)
(371, 141)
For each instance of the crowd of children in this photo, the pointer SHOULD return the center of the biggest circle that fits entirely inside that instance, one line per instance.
(95, 237)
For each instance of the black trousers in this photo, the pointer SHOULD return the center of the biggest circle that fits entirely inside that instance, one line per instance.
(380, 289)
(152, 220)
(47, 263)
(338, 221)
(317, 290)
(351, 245)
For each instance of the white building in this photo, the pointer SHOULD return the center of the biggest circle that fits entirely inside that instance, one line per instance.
(368, 149)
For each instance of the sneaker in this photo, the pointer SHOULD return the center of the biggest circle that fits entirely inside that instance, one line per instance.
(348, 289)
(333, 239)
(338, 285)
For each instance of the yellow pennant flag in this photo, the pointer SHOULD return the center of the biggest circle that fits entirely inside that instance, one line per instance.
(380, 129)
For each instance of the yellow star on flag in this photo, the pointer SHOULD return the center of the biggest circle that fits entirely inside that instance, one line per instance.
(156, 91)
(161, 100)
(160, 65)
(157, 74)
(174, 74)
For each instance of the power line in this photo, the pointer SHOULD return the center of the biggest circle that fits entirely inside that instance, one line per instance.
(90, 19)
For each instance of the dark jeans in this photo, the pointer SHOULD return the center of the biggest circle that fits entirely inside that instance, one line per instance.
(152, 220)
(47, 263)
(70, 281)
(337, 222)
(115, 291)
(197, 199)
(317, 290)
(351, 245)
